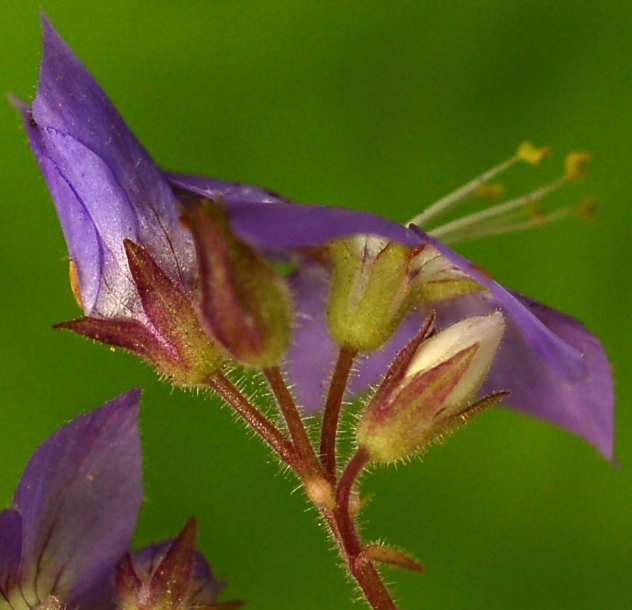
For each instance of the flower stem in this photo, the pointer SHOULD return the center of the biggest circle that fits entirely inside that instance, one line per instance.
(349, 477)
(293, 419)
(359, 564)
(255, 419)
(331, 416)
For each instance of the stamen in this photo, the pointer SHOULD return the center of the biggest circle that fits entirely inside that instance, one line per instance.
(577, 165)
(526, 152)
(503, 228)
(447, 231)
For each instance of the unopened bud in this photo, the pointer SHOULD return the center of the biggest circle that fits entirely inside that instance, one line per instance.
(433, 393)
(369, 285)
(245, 304)
(376, 283)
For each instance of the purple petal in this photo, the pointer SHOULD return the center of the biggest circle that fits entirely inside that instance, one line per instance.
(230, 191)
(313, 352)
(554, 368)
(551, 390)
(10, 549)
(283, 224)
(105, 186)
(79, 497)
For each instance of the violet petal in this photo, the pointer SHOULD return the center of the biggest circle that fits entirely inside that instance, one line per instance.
(79, 498)
(10, 549)
(105, 186)
(230, 191)
(554, 368)
(284, 224)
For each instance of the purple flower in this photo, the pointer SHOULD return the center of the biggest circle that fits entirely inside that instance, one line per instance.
(107, 190)
(132, 263)
(74, 513)
(74, 510)
(105, 186)
(554, 368)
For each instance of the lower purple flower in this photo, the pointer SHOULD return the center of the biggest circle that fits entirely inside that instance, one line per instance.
(74, 513)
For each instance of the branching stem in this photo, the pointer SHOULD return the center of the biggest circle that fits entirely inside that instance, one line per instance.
(294, 422)
(255, 419)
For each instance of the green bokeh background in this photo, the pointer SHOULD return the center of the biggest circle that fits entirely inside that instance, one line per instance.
(375, 105)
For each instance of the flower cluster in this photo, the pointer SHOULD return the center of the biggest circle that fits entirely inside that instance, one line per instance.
(182, 270)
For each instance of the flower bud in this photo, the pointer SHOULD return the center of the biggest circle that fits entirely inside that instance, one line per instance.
(245, 304)
(169, 576)
(377, 282)
(165, 330)
(429, 389)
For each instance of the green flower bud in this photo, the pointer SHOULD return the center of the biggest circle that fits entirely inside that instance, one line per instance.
(376, 283)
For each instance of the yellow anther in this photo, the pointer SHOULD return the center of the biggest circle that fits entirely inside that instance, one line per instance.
(587, 209)
(74, 283)
(577, 165)
(529, 153)
(490, 191)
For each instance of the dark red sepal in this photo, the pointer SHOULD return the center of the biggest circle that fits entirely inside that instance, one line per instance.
(127, 334)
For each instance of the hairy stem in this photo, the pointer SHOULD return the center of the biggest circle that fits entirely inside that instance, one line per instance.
(255, 419)
(359, 565)
(293, 419)
(331, 416)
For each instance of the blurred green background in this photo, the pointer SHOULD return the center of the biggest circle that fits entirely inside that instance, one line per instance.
(375, 105)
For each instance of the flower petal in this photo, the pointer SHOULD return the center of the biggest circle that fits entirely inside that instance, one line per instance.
(554, 368)
(284, 224)
(79, 498)
(10, 549)
(230, 191)
(105, 186)
(313, 351)
(551, 389)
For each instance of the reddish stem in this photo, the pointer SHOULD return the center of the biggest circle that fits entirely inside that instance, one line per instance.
(255, 419)
(360, 566)
(293, 419)
(331, 416)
